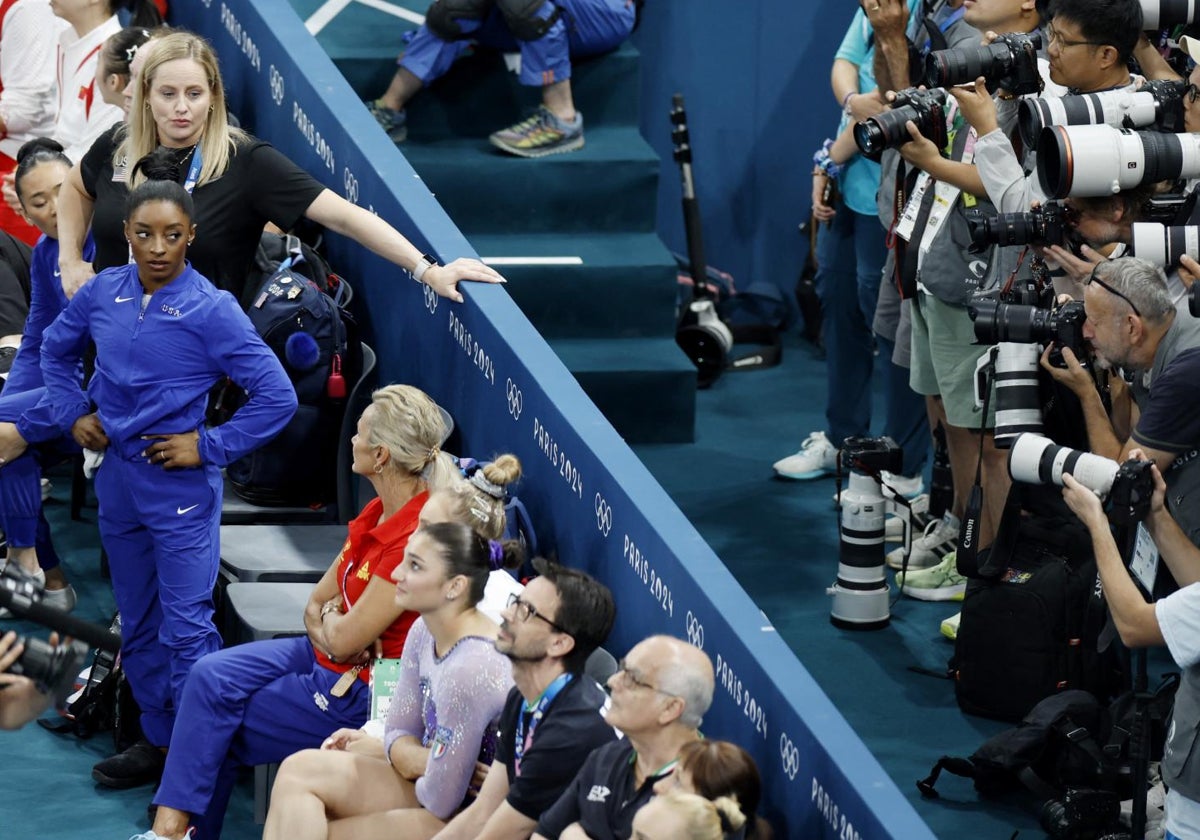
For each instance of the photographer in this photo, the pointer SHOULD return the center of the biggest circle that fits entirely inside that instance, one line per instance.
(20, 700)
(1173, 621)
(1132, 324)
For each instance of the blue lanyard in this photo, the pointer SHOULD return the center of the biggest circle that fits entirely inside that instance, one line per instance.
(194, 170)
(523, 738)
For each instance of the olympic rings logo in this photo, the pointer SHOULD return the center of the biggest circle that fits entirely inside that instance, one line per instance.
(695, 630)
(277, 86)
(350, 185)
(516, 400)
(789, 754)
(431, 298)
(604, 515)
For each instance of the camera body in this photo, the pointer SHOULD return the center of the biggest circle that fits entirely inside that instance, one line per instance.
(52, 668)
(997, 321)
(1050, 224)
(1082, 814)
(926, 108)
(1009, 62)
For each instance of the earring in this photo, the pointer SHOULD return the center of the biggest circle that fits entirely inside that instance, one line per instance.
(378, 469)
(450, 597)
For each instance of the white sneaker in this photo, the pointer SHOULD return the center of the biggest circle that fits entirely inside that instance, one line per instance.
(817, 457)
(63, 599)
(939, 539)
(937, 583)
(919, 515)
(949, 627)
(908, 486)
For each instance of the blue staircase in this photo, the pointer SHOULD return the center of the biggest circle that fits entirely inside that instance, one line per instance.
(606, 304)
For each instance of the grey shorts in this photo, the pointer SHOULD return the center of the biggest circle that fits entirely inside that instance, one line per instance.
(944, 354)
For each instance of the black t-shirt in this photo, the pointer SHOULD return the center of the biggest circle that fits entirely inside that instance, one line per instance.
(260, 186)
(601, 798)
(570, 729)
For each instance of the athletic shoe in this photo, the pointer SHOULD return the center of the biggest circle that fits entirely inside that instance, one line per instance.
(918, 513)
(950, 626)
(908, 486)
(817, 457)
(63, 599)
(393, 122)
(140, 764)
(937, 583)
(540, 135)
(150, 835)
(940, 538)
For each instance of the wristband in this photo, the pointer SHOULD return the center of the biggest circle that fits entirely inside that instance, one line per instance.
(823, 162)
(426, 262)
(846, 101)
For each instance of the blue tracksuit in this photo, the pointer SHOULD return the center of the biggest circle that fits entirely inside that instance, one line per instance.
(23, 402)
(585, 27)
(155, 364)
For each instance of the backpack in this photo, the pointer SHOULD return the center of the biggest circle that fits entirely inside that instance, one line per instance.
(305, 323)
(1033, 628)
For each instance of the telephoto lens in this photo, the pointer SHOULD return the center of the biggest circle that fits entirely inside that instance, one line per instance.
(1009, 62)
(926, 108)
(1161, 14)
(1163, 245)
(1018, 403)
(1097, 160)
(1157, 104)
(1034, 459)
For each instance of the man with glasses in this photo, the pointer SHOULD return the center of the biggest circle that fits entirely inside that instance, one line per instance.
(1132, 324)
(659, 696)
(553, 719)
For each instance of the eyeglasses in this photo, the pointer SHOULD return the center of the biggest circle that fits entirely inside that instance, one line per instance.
(524, 610)
(1092, 278)
(1191, 93)
(631, 679)
(1053, 36)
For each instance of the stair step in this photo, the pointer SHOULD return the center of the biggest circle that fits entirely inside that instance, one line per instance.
(646, 387)
(625, 285)
(609, 185)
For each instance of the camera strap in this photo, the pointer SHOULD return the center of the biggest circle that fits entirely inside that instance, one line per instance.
(968, 535)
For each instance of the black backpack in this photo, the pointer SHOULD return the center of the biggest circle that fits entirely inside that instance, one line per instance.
(1032, 628)
(304, 321)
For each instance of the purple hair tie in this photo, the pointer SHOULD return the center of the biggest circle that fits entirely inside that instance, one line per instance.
(495, 555)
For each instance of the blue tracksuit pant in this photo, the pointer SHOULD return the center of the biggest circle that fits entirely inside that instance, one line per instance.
(586, 27)
(161, 529)
(252, 704)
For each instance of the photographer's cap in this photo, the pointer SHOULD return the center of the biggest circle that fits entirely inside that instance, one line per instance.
(1191, 46)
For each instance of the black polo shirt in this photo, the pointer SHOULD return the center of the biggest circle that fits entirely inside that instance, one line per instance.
(571, 728)
(602, 798)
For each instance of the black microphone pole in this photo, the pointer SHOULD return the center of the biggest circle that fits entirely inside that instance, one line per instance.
(682, 152)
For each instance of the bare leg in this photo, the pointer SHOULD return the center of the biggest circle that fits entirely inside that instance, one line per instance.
(405, 824)
(315, 786)
(26, 558)
(557, 98)
(169, 822)
(403, 87)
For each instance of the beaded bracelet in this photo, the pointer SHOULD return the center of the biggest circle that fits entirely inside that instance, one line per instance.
(822, 161)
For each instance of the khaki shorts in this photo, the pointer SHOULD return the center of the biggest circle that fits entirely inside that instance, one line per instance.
(944, 354)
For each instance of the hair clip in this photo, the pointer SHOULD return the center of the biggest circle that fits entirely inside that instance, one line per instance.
(494, 490)
(479, 509)
(131, 52)
(432, 455)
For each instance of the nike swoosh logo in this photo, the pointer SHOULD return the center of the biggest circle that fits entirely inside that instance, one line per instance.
(57, 273)
(119, 299)
(181, 511)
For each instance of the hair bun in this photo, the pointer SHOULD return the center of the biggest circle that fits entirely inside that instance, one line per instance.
(162, 164)
(38, 144)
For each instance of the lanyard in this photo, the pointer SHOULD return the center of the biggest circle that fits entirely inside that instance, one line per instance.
(523, 739)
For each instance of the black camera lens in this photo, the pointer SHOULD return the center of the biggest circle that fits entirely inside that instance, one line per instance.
(870, 137)
(925, 108)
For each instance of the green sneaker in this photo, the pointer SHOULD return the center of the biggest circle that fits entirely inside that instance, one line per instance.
(540, 135)
(950, 626)
(937, 583)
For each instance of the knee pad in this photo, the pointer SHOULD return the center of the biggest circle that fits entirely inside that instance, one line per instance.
(522, 19)
(443, 16)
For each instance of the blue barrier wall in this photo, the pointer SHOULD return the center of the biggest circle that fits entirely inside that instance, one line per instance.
(593, 501)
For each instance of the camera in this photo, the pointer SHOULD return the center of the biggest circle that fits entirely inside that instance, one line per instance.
(1018, 394)
(997, 321)
(926, 108)
(53, 668)
(1125, 488)
(860, 594)
(706, 340)
(1163, 245)
(1082, 814)
(1161, 14)
(1157, 103)
(1009, 62)
(1096, 160)
(1050, 224)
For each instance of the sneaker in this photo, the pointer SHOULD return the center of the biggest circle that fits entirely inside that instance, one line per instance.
(393, 122)
(950, 626)
(937, 583)
(140, 764)
(540, 135)
(940, 538)
(150, 835)
(817, 457)
(918, 514)
(61, 599)
(907, 486)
